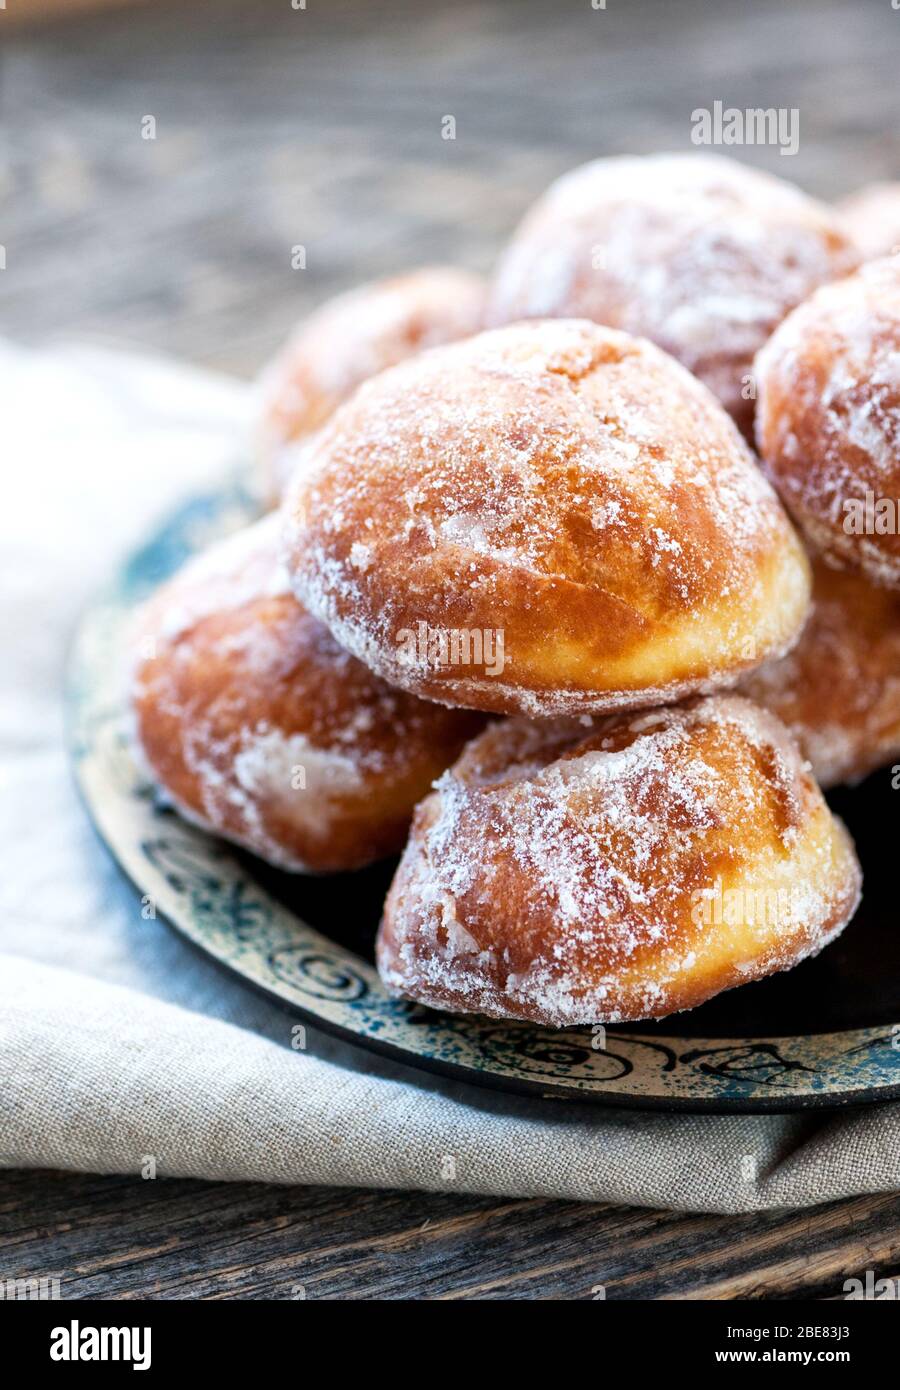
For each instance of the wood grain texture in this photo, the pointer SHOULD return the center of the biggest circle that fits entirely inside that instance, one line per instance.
(120, 1238)
(322, 127)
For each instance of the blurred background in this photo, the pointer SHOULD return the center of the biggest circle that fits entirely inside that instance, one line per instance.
(276, 127)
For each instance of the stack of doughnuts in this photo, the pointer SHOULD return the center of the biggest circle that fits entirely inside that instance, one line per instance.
(531, 605)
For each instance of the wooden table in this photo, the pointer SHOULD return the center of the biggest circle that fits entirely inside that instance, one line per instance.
(321, 127)
(122, 1238)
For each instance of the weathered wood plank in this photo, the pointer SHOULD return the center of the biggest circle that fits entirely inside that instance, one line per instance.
(322, 127)
(122, 1238)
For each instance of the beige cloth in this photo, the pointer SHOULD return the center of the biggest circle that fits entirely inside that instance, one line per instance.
(100, 1078)
(141, 1056)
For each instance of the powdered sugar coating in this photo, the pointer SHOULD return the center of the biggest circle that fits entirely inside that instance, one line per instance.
(561, 487)
(261, 728)
(561, 877)
(351, 338)
(838, 691)
(872, 218)
(700, 254)
(828, 421)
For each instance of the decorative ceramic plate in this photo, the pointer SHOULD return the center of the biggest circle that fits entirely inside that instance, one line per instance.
(827, 1033)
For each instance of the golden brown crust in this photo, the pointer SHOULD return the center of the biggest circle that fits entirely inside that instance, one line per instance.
(261, 728)
(828, 419)
(562, 489)
(700, 254)
(627, 873)
(872, 218)
(347, 340)
(838, 691)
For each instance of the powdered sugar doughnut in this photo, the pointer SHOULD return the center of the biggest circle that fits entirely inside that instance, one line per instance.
(617, 873)
(547, 518)
(838, 691)
(349, 339)
(872, 218)
(828, 419)
(262, 729)
(698, 253)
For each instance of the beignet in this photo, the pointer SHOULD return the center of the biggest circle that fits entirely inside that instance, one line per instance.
(548, 518)
(573, 875)
(259, 727)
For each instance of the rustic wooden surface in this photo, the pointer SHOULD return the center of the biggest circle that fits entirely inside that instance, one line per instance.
(122, 1238)
(322, 127)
